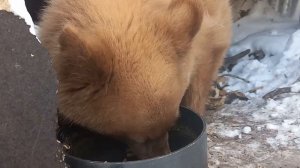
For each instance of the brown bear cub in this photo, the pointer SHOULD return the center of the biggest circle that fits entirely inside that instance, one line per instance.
(125, 66)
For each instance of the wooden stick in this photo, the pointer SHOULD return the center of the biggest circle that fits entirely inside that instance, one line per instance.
(237, 77)
(229, 61)
(277, 92)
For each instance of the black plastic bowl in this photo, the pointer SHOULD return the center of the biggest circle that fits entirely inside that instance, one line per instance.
(188, 142)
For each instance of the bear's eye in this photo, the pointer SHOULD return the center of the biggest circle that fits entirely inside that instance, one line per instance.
(76, 89)
(73, 88)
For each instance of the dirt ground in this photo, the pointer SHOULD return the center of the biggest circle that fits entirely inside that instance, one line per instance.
(246, 150)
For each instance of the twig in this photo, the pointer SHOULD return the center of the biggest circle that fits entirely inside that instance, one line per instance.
(231, 61)
(277, 92)
(218, 86)
(237, 77)
(259, 55)
(231, 96)
(235, 58)
(255, 89)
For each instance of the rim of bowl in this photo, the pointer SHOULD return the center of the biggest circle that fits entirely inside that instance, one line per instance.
(150, 159)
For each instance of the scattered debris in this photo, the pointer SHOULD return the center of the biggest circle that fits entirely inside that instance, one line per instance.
(237, 77)
(254, 90)
(258, 55)
(276, 92)
(232, 96)
(216, 98)
(230, 62)
(241, 8)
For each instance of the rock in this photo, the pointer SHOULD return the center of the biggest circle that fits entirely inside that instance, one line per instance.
(27, 99)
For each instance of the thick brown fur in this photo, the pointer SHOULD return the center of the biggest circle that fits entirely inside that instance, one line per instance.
(125, 66)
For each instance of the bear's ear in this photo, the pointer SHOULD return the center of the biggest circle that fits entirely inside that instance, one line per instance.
(184, 18)
(70, 39)
(83, 58)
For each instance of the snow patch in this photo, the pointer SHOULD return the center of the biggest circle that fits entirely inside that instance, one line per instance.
(247, 130)
(281, 64)
(230, 133)
(272, 127)
(296, 87)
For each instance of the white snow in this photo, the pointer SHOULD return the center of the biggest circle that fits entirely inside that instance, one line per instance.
(279, 38)
(272, 127)
(254, 145)
(288, 121)
(18, 8)
(258, 128)
(247, 130)
(230, 133)
(279, 70)
(296, 87)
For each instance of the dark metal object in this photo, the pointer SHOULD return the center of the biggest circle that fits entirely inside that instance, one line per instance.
(189, 146)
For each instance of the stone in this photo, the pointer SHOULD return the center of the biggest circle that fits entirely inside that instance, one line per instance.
(27, 99)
